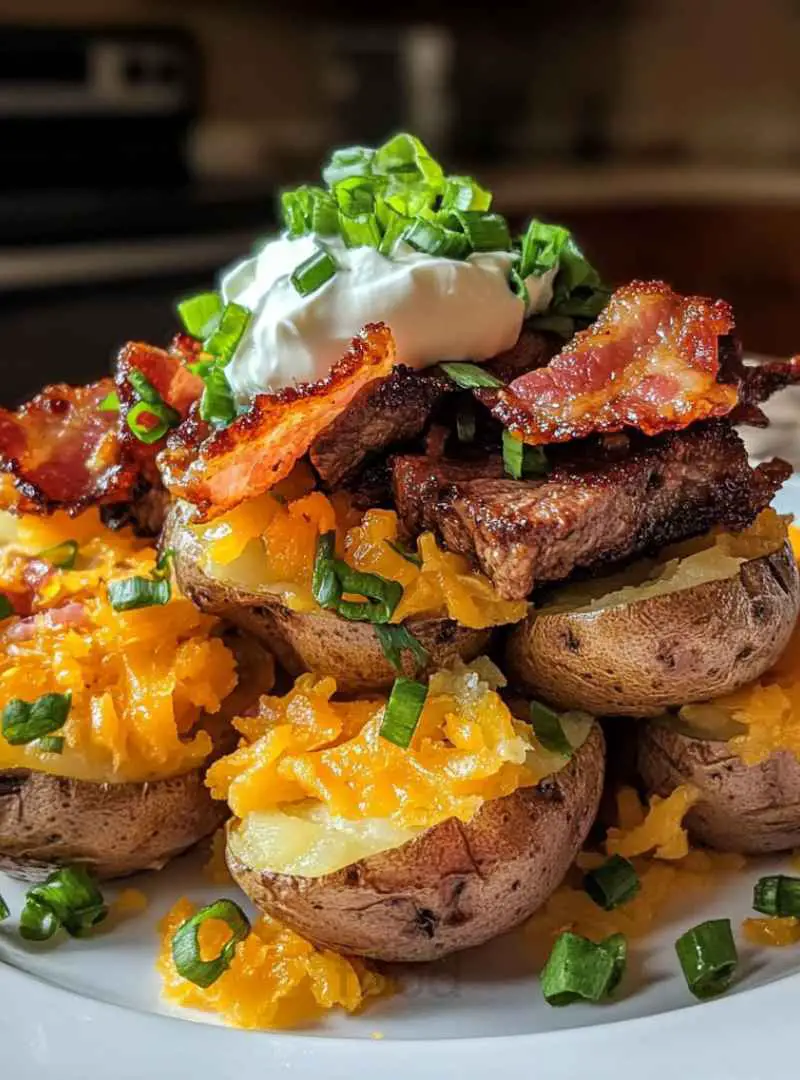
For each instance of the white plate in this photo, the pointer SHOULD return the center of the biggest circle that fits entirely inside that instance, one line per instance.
(83, 1009)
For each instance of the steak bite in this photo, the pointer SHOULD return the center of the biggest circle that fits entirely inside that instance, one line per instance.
(591, 509)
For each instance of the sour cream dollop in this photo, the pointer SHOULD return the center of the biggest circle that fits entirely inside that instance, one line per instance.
(437, 308)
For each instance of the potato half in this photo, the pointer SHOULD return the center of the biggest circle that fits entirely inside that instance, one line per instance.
(312, 641)
(455, 885)
(637, 651)
(753, 809)
(120, 828)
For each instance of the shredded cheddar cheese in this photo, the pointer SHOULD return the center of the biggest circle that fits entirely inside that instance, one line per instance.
(775, 930)
(276, 979)
(660, 830)
(140, 680)
(467, 748)
(271, 541)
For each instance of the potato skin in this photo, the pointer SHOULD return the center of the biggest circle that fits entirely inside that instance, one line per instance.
(313, 641)
(456, 885)
(118, 829)
(639, 659)
(750, 809)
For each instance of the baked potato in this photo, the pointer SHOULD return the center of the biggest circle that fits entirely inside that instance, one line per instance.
(116, 829)
(454, 886)
(753, 809)
(312, 641)
(618, 647)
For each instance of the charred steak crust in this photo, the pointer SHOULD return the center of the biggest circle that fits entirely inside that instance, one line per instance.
(587, 512)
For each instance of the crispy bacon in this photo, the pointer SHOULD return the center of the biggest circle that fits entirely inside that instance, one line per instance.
(61, 451)
(650, 361)
(260, 448)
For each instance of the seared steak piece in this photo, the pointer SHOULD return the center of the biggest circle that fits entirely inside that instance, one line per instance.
(397, 408)
(595, 507)
(418, 483)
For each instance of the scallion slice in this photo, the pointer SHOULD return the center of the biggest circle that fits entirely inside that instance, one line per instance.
(110, 402)
(325, 586)
(313, 273)
(216, 403)
(346, 162)
(382, 595)
(485, 232)
(186, 944)
(51, 744)
(200, 314)
(464, 193)
(26, 721)
(402, 712)
(612, 884)
(6, 607)
(403, 551)
(578, 969)
(131, 593)
(228, 332)
(432, 239)
(355, 195)
(777, 895)
(405, 155)
(359, 230)
(150, 422)
(521, 460)
(548, 730)
(4, 910)
(470, 376)
(396, 640)
(62, 556)
(69, 898)
(708, 957)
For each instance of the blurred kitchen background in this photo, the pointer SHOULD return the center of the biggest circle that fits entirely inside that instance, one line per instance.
(142, 144)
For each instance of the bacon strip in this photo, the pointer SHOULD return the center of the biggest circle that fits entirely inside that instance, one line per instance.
(260, 448)
(650, 361)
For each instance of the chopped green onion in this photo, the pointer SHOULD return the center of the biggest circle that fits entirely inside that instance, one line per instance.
(395, 640)
(313, 273)
(200, 314)
(518, 286)
(521, 460)
(382, 595)
(62, 556)
(110, 402)
(228, 332)
(26, 721)
(777, 895)
(402, 712)
(465, 422)
(612, 884)
(470, 376)
(4, 910)
(346, 162)
(708, 957)
(51, 744)
(407, 156)
(216, 404)
(464, 193)
(433, 239)
(163, 567)
(6, 607)
(309, 209)
(144, 388)
(485, 232)
(393, 228)
(578, 969)
(325, 586)
(68, 898)
(149, 422)
(186, 944)
(138, 592)
(548, 730)
(402, 550)
(359, 230)
(355, 195)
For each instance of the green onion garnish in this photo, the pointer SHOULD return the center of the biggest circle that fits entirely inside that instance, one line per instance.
(470, 376)
(200, 314)
(485, 232)
(403, 551)
(186, 945)
(777, 895)
(150, 422)
(359, 230)
(6, 607)
(216, 404)
(520, 460)
(332, 577)
(313, 273)
(110, 402)
(433, 239)
(163, 568)
(325, 585)
(402, 712)
(582, 970)
(144, 388)
(26, 721)
(612, 884)
(347, 162)
(548, 730)
(131, 593)
(228, 332)
(51, 744)
(708, 956)
(395, 640)
(464, 193)
(62, 556)
(69, 898)
(4, 909)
